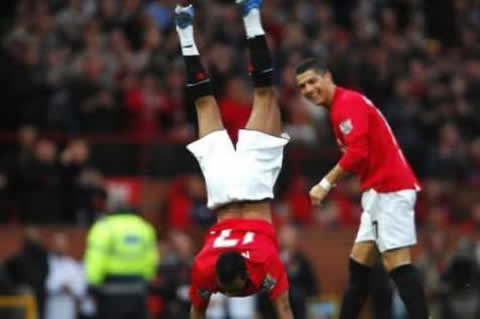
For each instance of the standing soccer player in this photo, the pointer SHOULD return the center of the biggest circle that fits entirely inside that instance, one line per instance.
(389, 187)
(240, 254)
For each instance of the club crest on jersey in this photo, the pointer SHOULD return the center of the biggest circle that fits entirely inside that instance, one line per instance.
(346, 126)
(268, 282)
(204, 293)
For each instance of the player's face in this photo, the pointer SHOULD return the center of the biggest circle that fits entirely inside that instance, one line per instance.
(315, 86)
(236, 288)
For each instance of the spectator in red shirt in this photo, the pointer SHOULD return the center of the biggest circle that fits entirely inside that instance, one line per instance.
(187, 204)
(145, 102)
(348, 210)
(299, 205)
(236, 106)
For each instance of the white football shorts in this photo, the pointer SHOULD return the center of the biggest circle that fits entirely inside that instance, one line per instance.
(246, 173)
(388, 219)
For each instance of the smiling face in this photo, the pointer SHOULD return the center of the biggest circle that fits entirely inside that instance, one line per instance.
(316, 87)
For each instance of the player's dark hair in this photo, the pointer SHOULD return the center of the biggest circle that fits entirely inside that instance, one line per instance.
(230, 266)
(316, 64)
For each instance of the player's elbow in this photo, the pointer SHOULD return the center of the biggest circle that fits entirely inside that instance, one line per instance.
(353, 158)
(361, 155)
(358, 159)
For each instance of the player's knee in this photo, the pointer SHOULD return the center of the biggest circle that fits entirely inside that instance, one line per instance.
(205, 102)
(396, 258)
(365, 253)
(264, 92)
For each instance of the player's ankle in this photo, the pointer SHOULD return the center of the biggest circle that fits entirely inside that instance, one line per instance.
(261, 62)
(198, 80)
(187, 41)
(184, 27)
(253, 24)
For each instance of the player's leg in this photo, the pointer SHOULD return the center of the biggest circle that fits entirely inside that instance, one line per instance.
(398, 263)
(265, 114)
(363, 257)
(396, 233)
(198, 81)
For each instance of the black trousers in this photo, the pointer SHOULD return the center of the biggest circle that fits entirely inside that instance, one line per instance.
(122, 307)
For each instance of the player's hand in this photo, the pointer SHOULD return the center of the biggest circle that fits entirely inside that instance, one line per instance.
(317, 194)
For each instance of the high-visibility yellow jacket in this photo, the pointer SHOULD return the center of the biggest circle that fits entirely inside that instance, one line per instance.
(120, 245)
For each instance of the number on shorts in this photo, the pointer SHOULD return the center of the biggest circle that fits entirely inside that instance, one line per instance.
(222, 240)
(375, 229)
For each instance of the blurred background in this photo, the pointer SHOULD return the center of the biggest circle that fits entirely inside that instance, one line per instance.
(94, 114)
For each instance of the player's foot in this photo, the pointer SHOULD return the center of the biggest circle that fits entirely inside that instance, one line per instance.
(184, 16)
(247, 5)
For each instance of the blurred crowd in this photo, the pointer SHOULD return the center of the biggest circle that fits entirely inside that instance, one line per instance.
(43, 184)
(91, 67)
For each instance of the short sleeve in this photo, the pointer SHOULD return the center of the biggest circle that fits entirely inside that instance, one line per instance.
(276, 278)
(199, 295)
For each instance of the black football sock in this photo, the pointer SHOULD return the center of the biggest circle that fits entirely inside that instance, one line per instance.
(198, 81)
(356, 293)
(411, 291)
(261, 61)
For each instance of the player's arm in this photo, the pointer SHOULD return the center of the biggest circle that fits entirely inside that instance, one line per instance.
(199, 303)
(197, 313)
(282, 306)
(353, 124)
(278, 293)
(320, 190)
(199, 297)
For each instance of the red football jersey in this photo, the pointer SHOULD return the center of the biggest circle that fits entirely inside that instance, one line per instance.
(369, 147)
(256, 241)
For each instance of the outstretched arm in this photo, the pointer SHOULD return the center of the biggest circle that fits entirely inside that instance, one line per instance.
(265, 115)
(282, 306)
(199, 87)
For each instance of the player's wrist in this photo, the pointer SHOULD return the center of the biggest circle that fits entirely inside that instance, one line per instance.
(325, 184)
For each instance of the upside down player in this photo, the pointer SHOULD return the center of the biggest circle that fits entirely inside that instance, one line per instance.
(389, 187)
(240, 255)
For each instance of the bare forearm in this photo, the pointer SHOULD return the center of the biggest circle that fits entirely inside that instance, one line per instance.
(285, 314)
(335, 174)
(196, 313)
(282, 306)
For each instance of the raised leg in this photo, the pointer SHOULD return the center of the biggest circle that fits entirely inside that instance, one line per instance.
(198, 81)
(265, 114)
